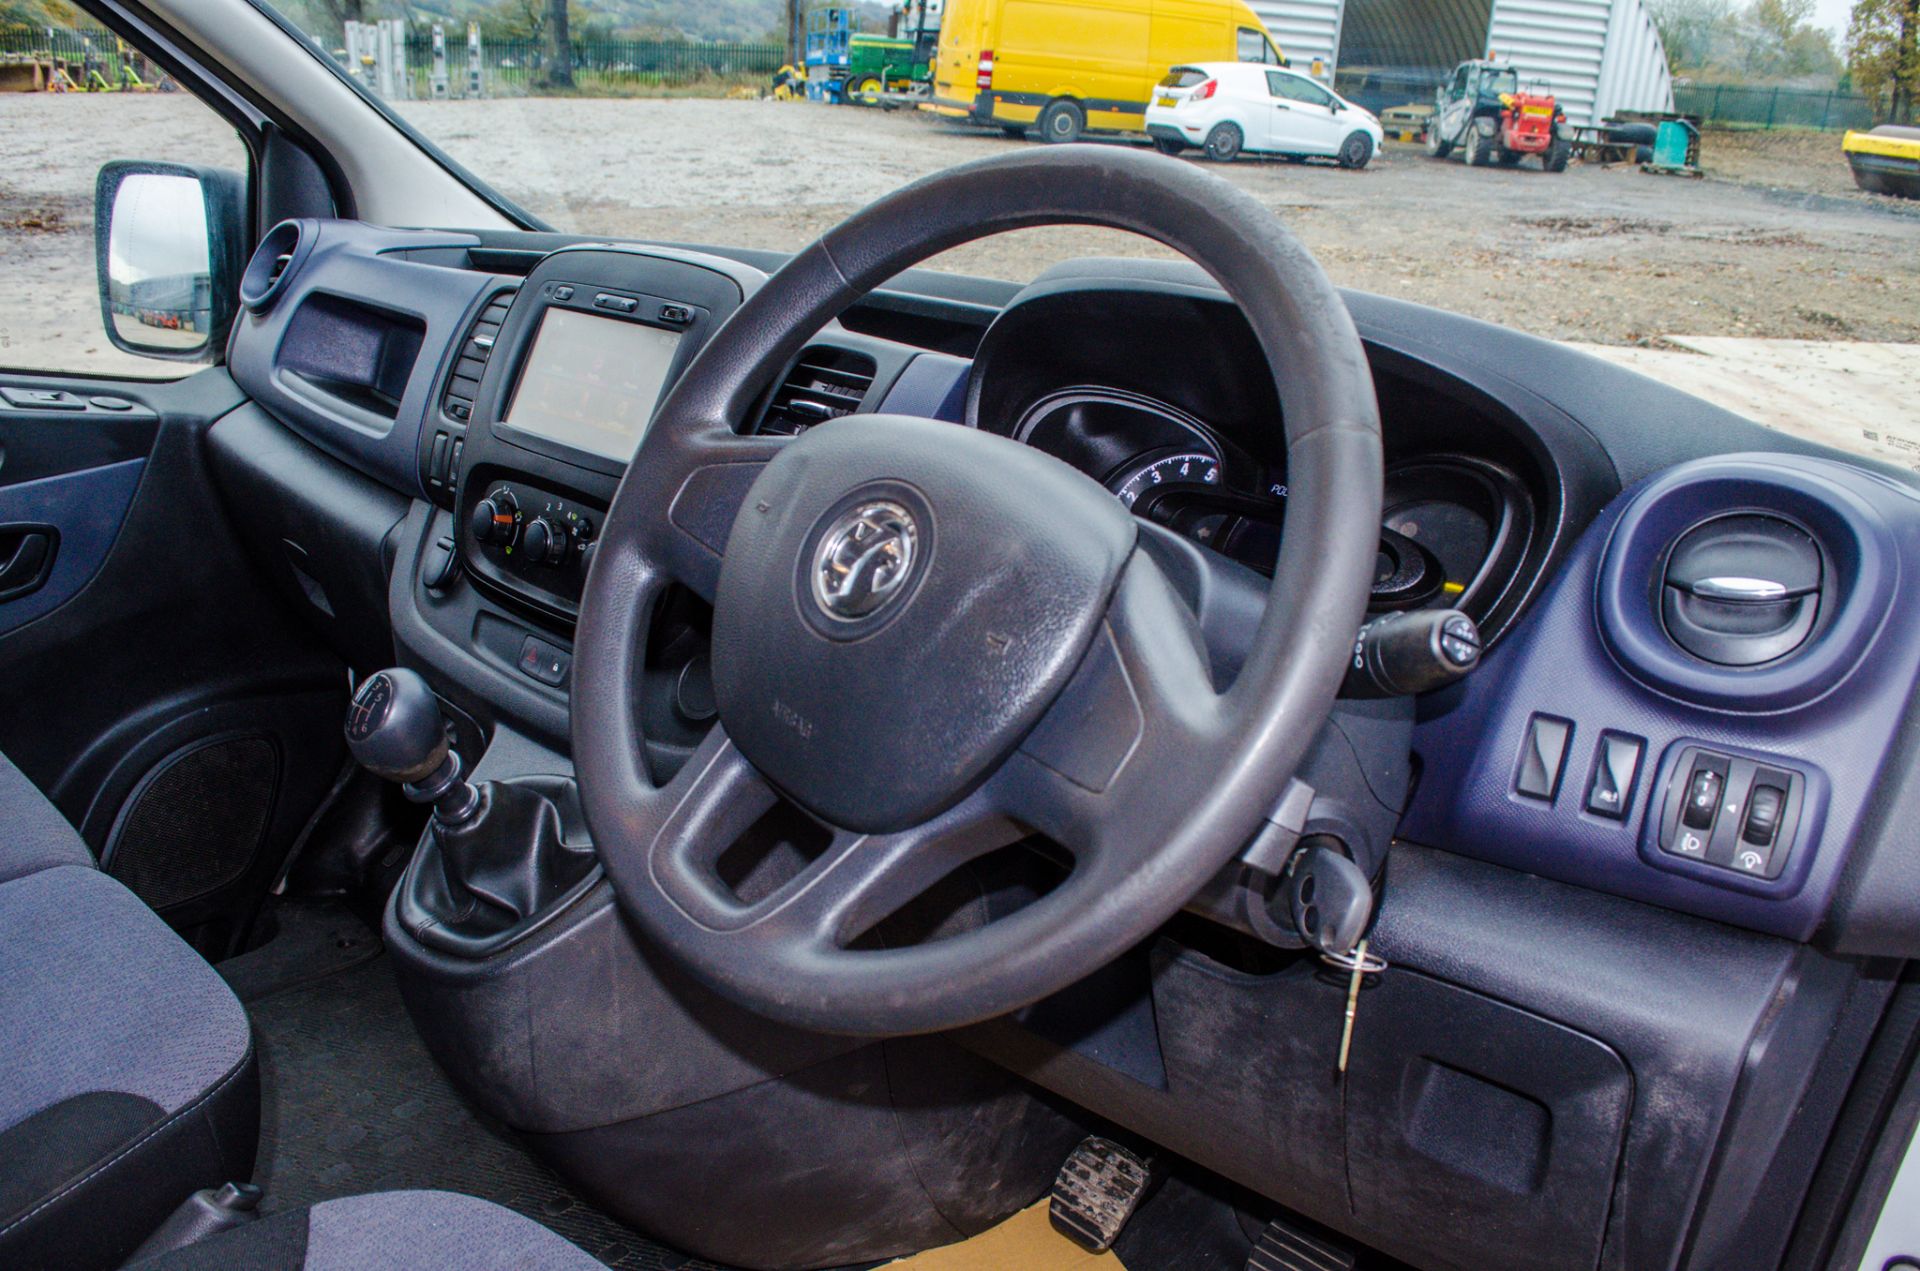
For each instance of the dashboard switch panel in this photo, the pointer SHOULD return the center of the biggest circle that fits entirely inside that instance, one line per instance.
(1732, 812)
(1543, 755)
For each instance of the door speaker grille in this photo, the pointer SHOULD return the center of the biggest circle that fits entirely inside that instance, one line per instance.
(196, 822)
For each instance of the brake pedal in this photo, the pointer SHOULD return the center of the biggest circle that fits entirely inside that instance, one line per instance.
(1096, 1191)
(1285, 1248)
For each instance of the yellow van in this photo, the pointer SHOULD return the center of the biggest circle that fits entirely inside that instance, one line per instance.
(1060, 67)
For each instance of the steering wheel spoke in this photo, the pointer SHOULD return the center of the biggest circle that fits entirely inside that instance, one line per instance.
(856, 882)
(703, 506)
(863, 879)
(1092, 771)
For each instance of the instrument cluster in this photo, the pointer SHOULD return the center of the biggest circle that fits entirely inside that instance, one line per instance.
(1453, 526)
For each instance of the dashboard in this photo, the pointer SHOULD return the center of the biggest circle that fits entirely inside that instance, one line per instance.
(1647, 837)
(506, 385)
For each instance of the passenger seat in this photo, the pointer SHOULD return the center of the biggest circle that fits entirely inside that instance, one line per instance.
(386, 1231)
(129, 1079)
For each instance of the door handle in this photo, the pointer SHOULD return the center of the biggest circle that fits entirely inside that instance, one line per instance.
(1281, 106)
(26, 558)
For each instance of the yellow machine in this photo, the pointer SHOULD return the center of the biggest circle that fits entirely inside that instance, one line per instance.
(1061, 67)
(1885, 160)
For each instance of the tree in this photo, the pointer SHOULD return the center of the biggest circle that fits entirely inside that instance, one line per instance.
(40, 14)
(522, 19)
(560, 63)
(1883, 55)
(1691, 30)
(1770, 40)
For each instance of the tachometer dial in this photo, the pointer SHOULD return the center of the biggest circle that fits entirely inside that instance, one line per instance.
(1190, 467)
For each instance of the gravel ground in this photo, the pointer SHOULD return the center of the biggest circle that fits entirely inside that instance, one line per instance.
(1773, 243)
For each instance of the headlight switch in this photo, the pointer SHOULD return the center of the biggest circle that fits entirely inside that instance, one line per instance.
(1736, 813)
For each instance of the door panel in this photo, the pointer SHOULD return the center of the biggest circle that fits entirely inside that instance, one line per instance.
(150, 637)
(55, 534)
(1303, 122)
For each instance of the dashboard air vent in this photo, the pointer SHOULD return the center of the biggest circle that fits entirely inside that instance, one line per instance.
(463, 386)
(824, 384)
(1742, 590)
(273, 264)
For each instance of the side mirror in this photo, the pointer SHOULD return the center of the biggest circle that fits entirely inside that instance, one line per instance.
(169, 245)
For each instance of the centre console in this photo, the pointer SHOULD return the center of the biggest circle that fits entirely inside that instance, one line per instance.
(541, 401)
(547, 399)
(509, 949)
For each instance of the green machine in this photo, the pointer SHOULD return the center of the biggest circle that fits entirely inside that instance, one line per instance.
(1676, 150)
(893, 69)
(879, 64)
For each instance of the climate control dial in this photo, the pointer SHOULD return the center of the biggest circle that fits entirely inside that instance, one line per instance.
(495, 518)
(544, 543)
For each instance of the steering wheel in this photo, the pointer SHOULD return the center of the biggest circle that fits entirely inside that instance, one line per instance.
(936, 641)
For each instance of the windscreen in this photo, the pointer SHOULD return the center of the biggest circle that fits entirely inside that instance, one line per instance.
(592, 382)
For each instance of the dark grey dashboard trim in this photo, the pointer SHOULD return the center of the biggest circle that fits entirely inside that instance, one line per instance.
(369, 266)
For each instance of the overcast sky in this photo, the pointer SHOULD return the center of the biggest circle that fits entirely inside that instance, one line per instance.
(1832, 14)
(159, 228)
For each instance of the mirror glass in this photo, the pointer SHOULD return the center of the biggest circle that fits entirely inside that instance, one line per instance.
(158, 271)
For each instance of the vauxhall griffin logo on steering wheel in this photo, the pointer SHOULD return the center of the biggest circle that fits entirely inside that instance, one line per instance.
(864, 560)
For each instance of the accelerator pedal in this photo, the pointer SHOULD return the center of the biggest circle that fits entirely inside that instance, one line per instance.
(1285, 1248)
(1096, 1191)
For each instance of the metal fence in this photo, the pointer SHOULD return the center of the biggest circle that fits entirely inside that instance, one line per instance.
(510, 66)
(519, 66)
(56, 44)
(1740, 105)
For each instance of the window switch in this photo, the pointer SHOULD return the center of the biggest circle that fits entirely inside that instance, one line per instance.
(1543, 754)
(1616, 763)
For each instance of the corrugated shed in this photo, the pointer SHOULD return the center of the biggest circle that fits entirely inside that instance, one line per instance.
(1413, 36)
(1634, 75)
(1563, 42)
(1304, 30)
(1599, 56)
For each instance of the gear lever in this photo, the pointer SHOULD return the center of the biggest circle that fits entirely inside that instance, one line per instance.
(496, 856)
(395, 730)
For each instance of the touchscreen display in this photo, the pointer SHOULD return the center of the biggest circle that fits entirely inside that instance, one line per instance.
(592, 382)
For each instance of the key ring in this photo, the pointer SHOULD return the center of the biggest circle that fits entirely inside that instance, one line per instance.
(1359, 960)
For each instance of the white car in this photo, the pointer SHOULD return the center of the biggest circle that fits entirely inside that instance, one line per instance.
(1227, 107)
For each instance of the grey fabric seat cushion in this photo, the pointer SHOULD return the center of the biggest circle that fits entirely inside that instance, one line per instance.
(101, 995)
(385, 1231)
(33, 834)
(129, 1072)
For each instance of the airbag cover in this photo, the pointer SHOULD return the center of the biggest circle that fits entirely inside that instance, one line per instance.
(900, 601)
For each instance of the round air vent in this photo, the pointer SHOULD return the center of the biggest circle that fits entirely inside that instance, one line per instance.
(274, 263)
(1750, 582)
(1742, 590)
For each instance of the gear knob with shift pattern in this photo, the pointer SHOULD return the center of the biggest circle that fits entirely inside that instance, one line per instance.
(495, 858)
(395, 730)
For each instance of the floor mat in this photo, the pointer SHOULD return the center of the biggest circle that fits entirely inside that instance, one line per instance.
(352, 1103)
(312, 939)
(1024, 1242)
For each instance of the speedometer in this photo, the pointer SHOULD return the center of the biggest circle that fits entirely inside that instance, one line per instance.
(1188, 467)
